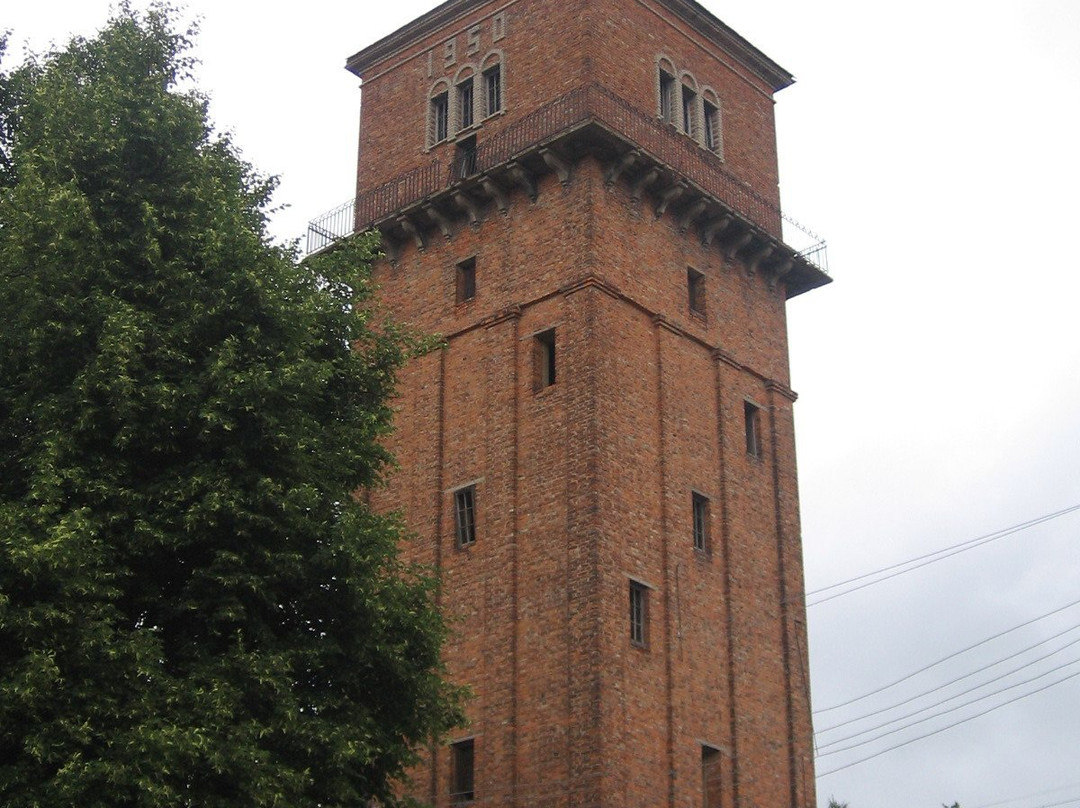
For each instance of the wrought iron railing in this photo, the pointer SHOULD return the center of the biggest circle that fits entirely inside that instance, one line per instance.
(331, 226)
(584, 105)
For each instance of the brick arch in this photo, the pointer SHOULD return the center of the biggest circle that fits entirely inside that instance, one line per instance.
(687, 78)
(491, 58)
(463, 70)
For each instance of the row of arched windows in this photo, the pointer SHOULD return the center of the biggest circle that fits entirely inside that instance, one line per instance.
(690, 107)
(460, 102)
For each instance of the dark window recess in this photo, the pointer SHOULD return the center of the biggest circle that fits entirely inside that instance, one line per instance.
(753, 429)
(711, 781)
(440, 117)
(461, 784)
(465, 103)
(465, 157)
(493, 90)
(695, 287)
(667, 97)
(713, 142)
(689, 101)
(544, 360)
(466, 280)
(701, 522)
(465, 515)
(639, 614)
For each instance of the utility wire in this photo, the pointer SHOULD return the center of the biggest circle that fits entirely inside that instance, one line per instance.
(950, 726)
(939, 713)
(1071, 801)
(1045, 793)
(918, 562)
(946, 659)
(965, 676)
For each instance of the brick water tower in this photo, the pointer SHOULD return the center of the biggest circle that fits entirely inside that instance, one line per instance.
(580, 197)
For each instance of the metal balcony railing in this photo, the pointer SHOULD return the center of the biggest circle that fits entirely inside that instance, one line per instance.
(589, 104)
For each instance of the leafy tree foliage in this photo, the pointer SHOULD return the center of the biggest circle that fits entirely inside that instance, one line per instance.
(194, 608)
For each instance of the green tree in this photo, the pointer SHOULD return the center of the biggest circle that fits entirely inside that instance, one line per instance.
(194, 607)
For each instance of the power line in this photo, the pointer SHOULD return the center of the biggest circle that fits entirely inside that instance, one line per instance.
(946, 659)
(913, 564)
(1058, 804)
(1045, 793)
(950, 726)
(937, 714)
(965, 676)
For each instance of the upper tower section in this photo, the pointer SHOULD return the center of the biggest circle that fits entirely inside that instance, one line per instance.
(670, 97)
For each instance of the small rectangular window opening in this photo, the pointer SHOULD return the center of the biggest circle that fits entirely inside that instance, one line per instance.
(466, 280)
(465, 103)
(465, 157)
(695, 287)
(753, 429)
(639, 614)
(701, 522)
(493, 89)
(463, 761)
(711, 781)
(544, 360)
(465, 516)
(440, 117)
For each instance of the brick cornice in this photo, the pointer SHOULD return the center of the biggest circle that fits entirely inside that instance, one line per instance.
(783, 390)
(592, 282)
(509, 313)
(720, 355)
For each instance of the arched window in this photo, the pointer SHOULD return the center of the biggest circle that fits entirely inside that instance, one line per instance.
(491, 71)
(712, 135)
(688, 105)
(693, 109)
(465, 97)
(438, 113)
(665, 90)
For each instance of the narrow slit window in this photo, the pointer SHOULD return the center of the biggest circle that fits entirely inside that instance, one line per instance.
(639, 614)
(700, 504)
(711, 776)
(544, 360)
(695, 287)
(493, 90)
(466, 280)
(753, 429)
(462, 788)
(465, 516)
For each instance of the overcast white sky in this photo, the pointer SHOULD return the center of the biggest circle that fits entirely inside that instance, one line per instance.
(935, 146)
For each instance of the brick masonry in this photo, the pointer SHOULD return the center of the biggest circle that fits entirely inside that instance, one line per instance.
(586, 485)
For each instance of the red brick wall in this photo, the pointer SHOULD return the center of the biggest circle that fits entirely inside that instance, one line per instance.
(551, 47)
(586, 485)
